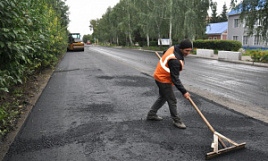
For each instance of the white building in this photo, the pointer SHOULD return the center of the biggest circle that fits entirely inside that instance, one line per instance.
(238, 31)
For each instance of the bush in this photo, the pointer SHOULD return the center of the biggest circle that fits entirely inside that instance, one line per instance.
(153, 43)
(8, 117)
(259, 55)
(228, 45)
(175, 42)
(155, 48)
(32, 36)
(142, 43)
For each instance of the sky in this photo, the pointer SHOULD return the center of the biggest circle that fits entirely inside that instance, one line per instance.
(81, 12)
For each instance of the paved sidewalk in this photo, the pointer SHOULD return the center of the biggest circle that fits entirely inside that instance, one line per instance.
(244, 60)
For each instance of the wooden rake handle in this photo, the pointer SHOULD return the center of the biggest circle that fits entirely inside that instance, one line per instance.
(206, 121)
(156, 53)
(201, 115)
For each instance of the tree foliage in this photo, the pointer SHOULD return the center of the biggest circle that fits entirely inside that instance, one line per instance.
(134, 20)
(215, 17)
(255, 15)
(32, 35)
(88, 38)
(223, 16)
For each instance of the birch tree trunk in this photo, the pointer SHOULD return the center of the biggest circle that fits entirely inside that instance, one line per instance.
(170, 23)
(148, 39)
(129, 25)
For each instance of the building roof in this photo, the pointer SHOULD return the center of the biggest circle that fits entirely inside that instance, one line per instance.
(216, 28)
(234, 11)
(238, 9)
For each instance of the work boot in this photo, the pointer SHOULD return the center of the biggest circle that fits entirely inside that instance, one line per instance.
(154, 118)
(179, 124)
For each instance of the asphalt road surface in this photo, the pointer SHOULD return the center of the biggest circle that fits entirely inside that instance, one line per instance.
(95, 104)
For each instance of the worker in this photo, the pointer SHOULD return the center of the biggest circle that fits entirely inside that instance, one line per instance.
(166, 75)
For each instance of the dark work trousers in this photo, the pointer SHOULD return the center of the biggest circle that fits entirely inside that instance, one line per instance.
(166, 94)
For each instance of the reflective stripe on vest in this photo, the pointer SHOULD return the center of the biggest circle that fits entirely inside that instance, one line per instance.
(164, 63)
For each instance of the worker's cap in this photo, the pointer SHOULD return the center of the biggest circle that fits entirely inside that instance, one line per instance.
(185, 44)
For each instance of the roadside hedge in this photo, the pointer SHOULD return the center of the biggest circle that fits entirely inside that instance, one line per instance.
(228, 45)
(32, 35)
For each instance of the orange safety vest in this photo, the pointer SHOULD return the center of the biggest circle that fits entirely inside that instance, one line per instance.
(162, 71)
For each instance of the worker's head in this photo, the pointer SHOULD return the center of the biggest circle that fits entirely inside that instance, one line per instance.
(186, 47)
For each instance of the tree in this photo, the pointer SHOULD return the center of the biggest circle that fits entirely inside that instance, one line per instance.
(254, 12)
(223, 16)
(190, 19)
(201, 8)
(160, 18)
(94, 27)
(170, 22)
(144, 14)
(214, 18)
(87, 38)
(128, 14)
(132, 20)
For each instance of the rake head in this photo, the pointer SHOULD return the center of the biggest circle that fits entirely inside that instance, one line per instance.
(225, 150)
